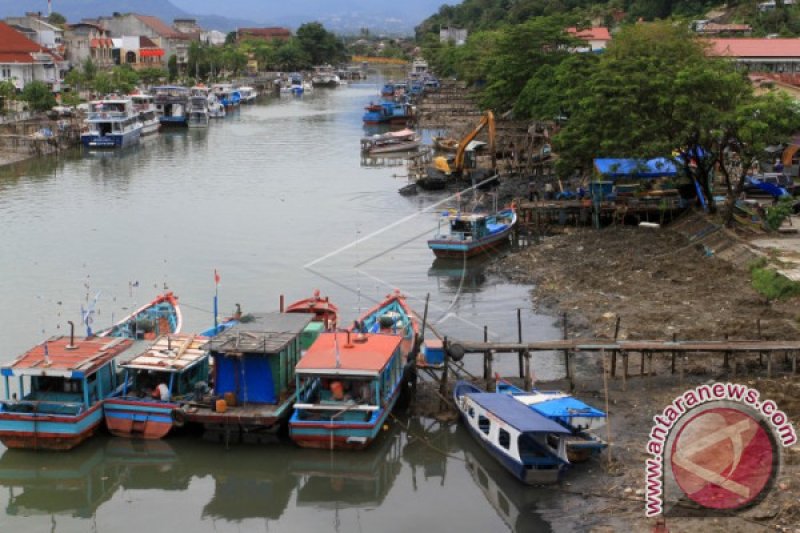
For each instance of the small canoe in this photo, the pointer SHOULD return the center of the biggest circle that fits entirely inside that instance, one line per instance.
(160, 317)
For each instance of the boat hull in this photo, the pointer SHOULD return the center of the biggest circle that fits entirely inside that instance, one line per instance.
(111, 141)
(48, 432)
(452, 249)
(138, 419)
(177, 122)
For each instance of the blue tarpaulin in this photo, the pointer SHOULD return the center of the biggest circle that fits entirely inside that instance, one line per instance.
(658, 167)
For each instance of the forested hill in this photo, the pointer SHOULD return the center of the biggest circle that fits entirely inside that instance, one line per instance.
(489, 14)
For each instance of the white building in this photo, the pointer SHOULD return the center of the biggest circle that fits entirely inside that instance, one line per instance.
(23, 61)
(456, 36)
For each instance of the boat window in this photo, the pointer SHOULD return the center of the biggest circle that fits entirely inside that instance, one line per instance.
(483, 478)
(471, 412)
(504, 438)
(528, 447)
(484, 424)
(503, 503)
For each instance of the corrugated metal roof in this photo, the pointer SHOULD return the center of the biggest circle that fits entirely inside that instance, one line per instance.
(514, 413)
(370, 356)
(756, 47)
(265, 333)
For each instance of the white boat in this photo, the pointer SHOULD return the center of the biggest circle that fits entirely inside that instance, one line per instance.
(172, 102)
(144, 105)
(248, 94)
(198, 111)
(394, 141)
(324, 76)
(215, 107)
(111, 123)
(227, 95)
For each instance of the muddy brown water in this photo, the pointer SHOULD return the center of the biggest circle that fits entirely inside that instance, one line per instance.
(276, 198)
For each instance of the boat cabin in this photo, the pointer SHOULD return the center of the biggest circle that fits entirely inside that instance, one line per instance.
(254, 361)
(179, 362)
(465, 227)
(348, 377)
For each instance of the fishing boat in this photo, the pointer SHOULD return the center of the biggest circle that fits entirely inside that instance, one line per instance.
(322, 309)
(144, 105)
(198, 112)
(296, 85)
(172, 103)
(60, 386)
(578, 417)
(394, 141)
(253, 378)
(348, 383)
(527, 444)
(324, 76)
(227, 95)
(388, 113)
(160, 317)
(247, 94)
(387, 91)
(215, 107)
(111, 123)
(155, 383)
(471, 234)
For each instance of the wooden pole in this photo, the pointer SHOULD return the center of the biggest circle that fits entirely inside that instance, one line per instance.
(674, 353)
(528, 377)
(760, 354)
(624, 371)
(445, 377)
(614, 352)
(726, 360)
(769, 364)
(486, 354)
(608, 413)
(520, 355)
(566, 351)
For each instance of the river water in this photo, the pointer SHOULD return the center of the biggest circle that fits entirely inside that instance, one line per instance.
(277, 199)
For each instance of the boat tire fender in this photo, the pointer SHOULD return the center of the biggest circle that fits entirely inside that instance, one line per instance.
(456, 351)
(178, 417)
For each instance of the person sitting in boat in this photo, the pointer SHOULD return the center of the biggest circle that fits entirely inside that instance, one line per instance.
(161, 392)
(363, 392)
(337, 391)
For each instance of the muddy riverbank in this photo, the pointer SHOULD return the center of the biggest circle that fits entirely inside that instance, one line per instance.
(689, 280)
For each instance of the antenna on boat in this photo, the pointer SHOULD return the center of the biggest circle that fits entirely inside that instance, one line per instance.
(336, 347)
(46, 355)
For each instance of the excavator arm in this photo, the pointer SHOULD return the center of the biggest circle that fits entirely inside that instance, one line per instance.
(486, 120)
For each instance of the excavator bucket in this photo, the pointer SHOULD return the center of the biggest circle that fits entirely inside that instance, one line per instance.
(440, 164)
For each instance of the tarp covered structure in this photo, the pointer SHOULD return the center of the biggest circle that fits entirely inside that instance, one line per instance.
(658, 167)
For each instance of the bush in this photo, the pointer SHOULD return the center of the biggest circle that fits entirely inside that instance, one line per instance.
(38, 96)
(778, 212)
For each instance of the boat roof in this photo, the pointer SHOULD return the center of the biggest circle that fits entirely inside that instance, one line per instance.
(262, 333)
(515, 414)
(559, 406)
(86, 356)
(171, 353)
(315, 303)
(365, 355)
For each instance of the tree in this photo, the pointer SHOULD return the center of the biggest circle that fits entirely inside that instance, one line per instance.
(172, 67)
(89, 70)
(291, 56)
(231, 37)
(57, 19)
(152, 75)
(654, 91)
(123, 79)
(8, 92)
(321, 45)
(102, 83)
(38, 96)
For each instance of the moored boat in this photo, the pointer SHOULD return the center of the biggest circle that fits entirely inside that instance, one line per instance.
(144, 105)
(61, 385)
(324, 76)
(578, 417)
(111, 123)
(471, 234)
(348, 383)
(227, 95)
(394, 141)
(388, 113)
(155, 382)
(444, 144)
(247, 94)
(198, 112)
(159, 317)
(172, 102)
(322, 309)
(527, 444)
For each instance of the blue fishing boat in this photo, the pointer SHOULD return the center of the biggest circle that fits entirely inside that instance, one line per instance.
(388, 113)
(112, 123)
(253, 376)
(348, 383)
(172, 371)
(473, 233)
(172, 105)
(578, 417)
(227, 95)
(60, 387)
(527, 444)
(159, 317)
(387, 91)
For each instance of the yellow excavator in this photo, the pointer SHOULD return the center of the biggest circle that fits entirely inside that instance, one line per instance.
(460, 164)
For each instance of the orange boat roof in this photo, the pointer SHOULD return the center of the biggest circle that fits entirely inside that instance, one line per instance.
(86, 357)
(360, 357)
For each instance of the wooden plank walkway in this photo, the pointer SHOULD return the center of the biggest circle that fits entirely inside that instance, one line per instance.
(598, 345)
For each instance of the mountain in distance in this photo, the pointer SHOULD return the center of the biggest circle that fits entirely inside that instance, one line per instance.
(342, 16)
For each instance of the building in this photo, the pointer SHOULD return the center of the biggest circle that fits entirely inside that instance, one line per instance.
(760, 55)
(764, 7)
(703, 27)
(213, 37)
(596, 38)
(138, 51)
(189, 26)
(46, 34)
(171, 41)
(264, 34)
(87, 40)
(456, 36)
(23, 61)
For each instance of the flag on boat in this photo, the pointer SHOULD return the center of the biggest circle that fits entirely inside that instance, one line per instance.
(216, 277)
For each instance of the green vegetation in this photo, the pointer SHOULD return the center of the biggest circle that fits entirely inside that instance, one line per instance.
(777, 213)
(38, 96)
(771, 284)
(8, 92)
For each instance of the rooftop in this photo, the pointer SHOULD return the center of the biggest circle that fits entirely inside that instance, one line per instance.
(368, 357)
(171, 353)
(160, 27)
(16, 48)
(755, 47)
(88, 355)
(598, 33)
(515, 414)
(266, 333)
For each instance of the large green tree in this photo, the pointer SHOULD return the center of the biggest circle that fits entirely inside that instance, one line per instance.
(321, 45)
(38, 96)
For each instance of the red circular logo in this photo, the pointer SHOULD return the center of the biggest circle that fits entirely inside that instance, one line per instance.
(722, 458)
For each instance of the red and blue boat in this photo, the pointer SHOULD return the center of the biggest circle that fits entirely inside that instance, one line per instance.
(60, 388)
(162, 316)
(349, 382)
(388, 113)
(172, 371)
(472, 234)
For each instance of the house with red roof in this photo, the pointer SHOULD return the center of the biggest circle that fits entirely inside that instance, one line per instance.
(760, 55)
(596, 38)
(23, 60)
(165, 37)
